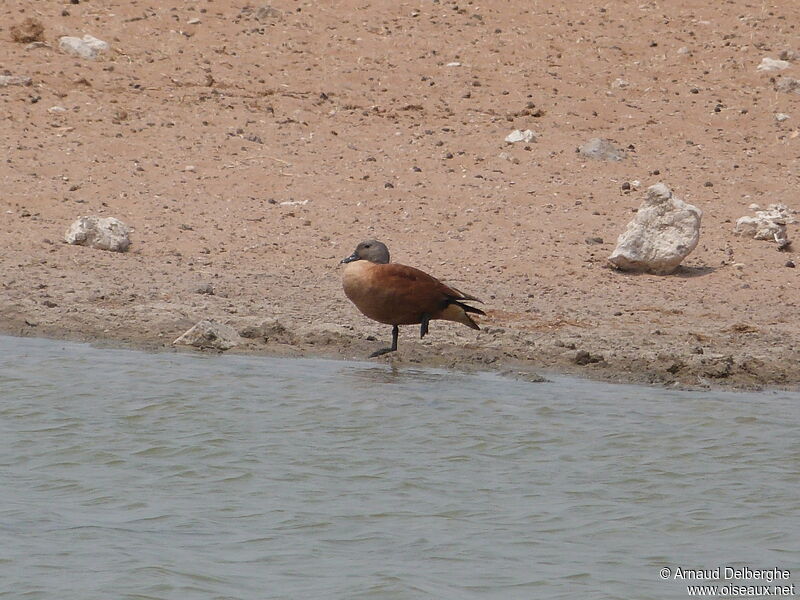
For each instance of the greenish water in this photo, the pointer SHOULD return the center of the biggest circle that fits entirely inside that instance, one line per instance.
(133, 475)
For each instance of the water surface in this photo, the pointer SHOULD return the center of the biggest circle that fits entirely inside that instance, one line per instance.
(133, 475)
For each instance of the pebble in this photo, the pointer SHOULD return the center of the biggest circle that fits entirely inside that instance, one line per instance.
(56, 109)
(518, 135)
(104, 233)
(582, 357)
(770, 64)
(88, 47)
(6, 80)
(194, 21)
(780, 117)
(210, 335)
(790, 264)
(510, 158)
(788, 85)
(205, 288)
(789, 55)
(601, 149)
(268, 12)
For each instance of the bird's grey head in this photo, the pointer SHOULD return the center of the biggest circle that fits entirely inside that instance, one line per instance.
(371, 250)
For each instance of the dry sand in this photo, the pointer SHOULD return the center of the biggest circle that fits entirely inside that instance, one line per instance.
(252, 151)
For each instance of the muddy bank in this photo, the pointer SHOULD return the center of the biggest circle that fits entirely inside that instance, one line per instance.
(556, 348)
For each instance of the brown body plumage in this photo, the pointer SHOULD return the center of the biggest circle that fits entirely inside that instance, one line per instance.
(400, 295)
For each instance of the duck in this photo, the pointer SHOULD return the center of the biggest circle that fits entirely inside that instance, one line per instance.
(397, 294)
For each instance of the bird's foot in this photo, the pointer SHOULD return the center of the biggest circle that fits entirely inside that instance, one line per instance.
(382, 351)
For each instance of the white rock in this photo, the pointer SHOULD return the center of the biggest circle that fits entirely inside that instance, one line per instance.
(56, 109)
(89, 47)
(267, 12)
(771, 64)
(104, 233)
(6, 80)
(768, 224)
(521, 136)
(601, 149)
(210, 335)
(780, 117)
(510, 158)
(790, 55)
(194, 21)
(665, 230)
(453, 64)
(620, 83)
(789, 85)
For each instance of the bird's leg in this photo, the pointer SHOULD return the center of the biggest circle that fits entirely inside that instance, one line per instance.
(423, 328)
(395, 333)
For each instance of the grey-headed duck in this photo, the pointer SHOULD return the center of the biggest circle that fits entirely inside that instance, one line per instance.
(399, 295)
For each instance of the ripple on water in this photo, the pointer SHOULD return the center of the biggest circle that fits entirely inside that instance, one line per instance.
(136, 475)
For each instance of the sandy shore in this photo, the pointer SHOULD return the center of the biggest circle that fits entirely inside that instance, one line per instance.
(250, 151)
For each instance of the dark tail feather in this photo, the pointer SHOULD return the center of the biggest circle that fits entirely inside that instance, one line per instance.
(470, 309)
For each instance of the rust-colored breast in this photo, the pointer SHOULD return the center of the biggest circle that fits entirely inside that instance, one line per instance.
(393, 294)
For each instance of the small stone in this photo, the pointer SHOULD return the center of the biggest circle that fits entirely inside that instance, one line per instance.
(770, 64)
(768, 224)
(600, 149)
(790, 264)
(103, 233)
(626, 186)
(269, 330)
(6, 80)
(267, 12)
(205, 288)
(194, 21)
(49, 303)
(518, 135)
(781, 117)
(88, 47)
(210, 335)
(789, 55)
(582, 357)
(788, 85)
(509, 157)
(593, 240)
(620, 84)
(190, 168)
(453, 64)
(56, 109)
